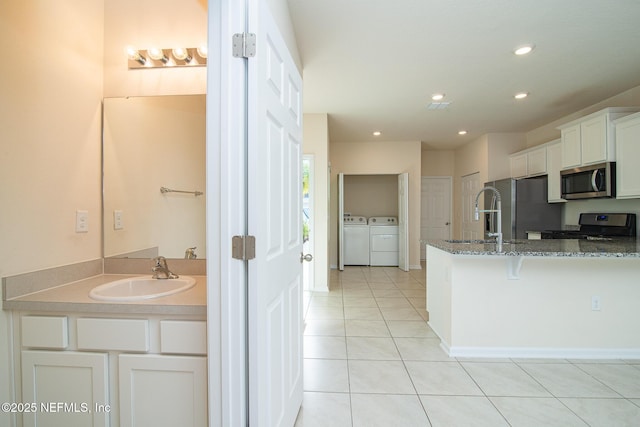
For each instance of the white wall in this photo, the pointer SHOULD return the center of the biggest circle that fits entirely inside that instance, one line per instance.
(315, 141)
(366, 158)
(438, 163)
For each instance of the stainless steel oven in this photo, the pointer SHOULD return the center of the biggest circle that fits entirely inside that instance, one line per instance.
(589, 182)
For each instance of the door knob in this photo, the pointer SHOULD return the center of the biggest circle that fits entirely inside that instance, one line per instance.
(447, 223)
(307, 257)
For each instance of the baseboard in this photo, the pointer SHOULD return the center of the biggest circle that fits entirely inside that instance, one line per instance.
(542, 353)
(415, 267)
(333, 267)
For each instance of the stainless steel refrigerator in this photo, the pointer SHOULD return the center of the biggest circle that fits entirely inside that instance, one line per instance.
(524, 207)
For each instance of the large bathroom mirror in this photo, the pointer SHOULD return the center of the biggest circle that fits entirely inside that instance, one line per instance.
(154, 176)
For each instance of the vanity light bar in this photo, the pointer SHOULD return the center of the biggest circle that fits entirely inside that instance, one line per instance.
(163, 58)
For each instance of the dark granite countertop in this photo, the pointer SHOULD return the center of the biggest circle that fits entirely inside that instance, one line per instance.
(617, 248)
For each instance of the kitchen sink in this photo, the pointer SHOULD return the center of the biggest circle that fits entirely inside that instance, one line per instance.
(481, 242)
(471, 242)
(141, 288)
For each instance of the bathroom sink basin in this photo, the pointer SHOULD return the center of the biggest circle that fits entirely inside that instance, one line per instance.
(141, 288)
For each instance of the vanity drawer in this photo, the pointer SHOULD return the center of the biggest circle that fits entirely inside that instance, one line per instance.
(183, 337)
(45, 332)
(113, 334)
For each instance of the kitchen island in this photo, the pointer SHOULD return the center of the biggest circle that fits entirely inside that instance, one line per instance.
(536, 298)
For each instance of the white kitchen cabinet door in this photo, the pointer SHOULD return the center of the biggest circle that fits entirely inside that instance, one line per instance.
(162, 391)
(571, 147)
(554, 165)
(518, 165)
(593, 134)
(537, 162)
(69, 385)
(628, 155)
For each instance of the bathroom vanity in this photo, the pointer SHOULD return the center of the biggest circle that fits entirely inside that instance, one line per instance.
(536, 298)
(84, 362)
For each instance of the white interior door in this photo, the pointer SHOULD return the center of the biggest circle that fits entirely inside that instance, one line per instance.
(435, 210)
(275, 201)
(403, 221)
(471, 229)
(341, 221)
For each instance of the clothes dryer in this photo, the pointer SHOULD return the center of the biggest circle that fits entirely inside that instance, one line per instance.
(356, 240)
(383, 241)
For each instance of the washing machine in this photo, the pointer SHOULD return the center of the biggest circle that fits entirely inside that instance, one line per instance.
(356, 240)
(383, 241)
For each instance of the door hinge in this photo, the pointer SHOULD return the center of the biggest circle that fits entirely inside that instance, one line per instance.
(243, 247)
(244, 45)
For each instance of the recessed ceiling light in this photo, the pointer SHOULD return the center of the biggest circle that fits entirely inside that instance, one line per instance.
(521, 95)
(437, 96)
(377, 133)
(462, 132)
(523, 50)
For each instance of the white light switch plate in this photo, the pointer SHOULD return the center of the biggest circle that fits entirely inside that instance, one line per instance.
(117, 220)
(82, 221)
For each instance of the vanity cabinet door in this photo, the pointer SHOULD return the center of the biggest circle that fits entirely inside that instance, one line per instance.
(159, 391)
(66, 387)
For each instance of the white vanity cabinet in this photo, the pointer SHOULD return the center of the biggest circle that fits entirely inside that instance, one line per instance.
(628, 153)
(111, 371)
(591, 139)
(65, 387)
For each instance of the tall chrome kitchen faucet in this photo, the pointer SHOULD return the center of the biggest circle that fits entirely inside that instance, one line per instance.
(497, 210)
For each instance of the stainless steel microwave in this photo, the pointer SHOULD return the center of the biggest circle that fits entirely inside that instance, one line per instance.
(589, 182)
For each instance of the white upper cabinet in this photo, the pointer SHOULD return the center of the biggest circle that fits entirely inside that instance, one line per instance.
(554, 165)
(537, 161)
(591, 139)
(571, 149)
(530, 162)
(627, 132)
(518, 165)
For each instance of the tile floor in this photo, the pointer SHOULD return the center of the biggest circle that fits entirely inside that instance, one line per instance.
(372, 360)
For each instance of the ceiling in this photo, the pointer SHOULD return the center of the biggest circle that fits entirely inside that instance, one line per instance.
(374, 64)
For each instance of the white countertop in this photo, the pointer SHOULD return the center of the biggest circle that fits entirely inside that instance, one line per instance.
(74, 297)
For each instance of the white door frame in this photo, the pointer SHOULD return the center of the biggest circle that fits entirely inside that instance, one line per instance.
(309, 267)
(403, 221)
(341, 221)
(226, 217)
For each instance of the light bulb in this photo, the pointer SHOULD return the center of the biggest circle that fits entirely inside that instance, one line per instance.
(182, 54)
(157, 55)
(203, 51)
(134, 55)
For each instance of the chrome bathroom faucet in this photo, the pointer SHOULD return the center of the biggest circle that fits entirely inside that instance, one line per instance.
(161, 269)
(190, 253)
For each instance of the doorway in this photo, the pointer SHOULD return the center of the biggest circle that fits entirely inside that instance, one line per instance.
(307, 220)
(435, 209)
(375, 195)
(471, 229)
